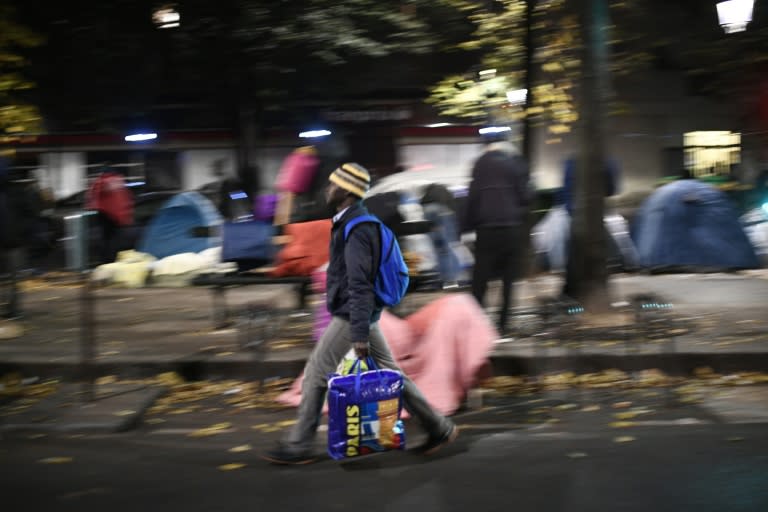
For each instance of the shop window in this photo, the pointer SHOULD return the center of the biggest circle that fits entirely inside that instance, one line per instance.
(711, 153)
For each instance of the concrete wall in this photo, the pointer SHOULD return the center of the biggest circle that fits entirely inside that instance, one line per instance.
(430, 154)
(646, 136)
(63, 173)
(198, 166)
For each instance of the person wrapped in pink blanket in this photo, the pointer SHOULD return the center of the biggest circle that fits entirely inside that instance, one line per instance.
(442, 348)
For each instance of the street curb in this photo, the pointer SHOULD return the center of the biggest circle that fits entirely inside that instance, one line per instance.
(202, 368)
(109, 426)
(675, 364)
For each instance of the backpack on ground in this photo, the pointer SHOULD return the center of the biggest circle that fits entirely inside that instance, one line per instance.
(391, 281)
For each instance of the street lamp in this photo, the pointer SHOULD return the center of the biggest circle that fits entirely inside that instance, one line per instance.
(735, 15)
(166, 17)
(517, 96)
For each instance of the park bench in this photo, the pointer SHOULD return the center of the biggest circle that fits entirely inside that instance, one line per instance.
(219, 283)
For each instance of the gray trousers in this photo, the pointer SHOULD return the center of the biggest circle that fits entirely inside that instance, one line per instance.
(325, 358)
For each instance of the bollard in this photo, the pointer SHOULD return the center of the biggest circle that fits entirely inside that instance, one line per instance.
(76, 246)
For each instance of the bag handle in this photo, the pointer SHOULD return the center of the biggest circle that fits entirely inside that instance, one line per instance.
(358, 370)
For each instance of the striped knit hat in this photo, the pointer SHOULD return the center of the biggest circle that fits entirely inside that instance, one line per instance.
(353, 178)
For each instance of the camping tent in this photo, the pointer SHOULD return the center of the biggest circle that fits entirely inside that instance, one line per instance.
(550, 237)
(755, 223)
(691, 226)
(176, 228)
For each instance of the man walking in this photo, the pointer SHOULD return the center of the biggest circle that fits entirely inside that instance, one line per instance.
(355, 313)
(497, 210)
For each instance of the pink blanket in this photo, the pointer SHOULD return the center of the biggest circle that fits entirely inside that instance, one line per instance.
(441, 347)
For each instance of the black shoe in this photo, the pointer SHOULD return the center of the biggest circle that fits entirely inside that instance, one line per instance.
(282, 456)
(434, 444)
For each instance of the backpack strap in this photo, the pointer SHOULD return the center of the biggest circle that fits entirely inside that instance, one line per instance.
(358, 220)
(349, 226)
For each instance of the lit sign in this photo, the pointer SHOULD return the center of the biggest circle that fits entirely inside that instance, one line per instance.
(138, 137)
(314, 133)
(494, 129)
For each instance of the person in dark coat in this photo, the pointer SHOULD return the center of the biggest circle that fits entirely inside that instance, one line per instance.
(497, 209)
(355, 314)
(20, 208)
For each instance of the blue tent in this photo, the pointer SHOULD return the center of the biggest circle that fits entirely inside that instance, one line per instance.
(176, 228)
(690, 226)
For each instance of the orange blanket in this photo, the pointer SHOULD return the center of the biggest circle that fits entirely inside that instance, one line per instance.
(307, 249)
(441, 347)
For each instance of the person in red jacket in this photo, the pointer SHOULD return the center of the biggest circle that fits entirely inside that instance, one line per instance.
(110, 197)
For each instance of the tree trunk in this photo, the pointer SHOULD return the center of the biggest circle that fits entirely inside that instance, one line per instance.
(587, 272)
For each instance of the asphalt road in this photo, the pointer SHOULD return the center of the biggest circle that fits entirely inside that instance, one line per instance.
(521, 454)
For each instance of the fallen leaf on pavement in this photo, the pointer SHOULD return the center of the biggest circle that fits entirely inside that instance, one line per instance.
(155, 421)
(124, 413)
(56, 460)
(577, 455)
(183, 410)
(241, 448)
(625, 415)
(590, 408)
(108, 379)
(231, 467)
(623, 439)
(735, 439)
(210, 431)
(622, 405)
(622, 424)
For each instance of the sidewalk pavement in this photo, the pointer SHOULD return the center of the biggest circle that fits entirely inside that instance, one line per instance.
(716, 320)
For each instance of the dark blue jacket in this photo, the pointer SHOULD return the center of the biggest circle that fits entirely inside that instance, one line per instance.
(499, 193)
(567, 194)
(352, 271)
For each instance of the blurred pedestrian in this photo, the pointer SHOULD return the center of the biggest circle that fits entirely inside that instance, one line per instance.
(110, 198)
(569, 193)
(355, 313)
(20, 209)
(307, 202)
(497, 210)
(439, 208)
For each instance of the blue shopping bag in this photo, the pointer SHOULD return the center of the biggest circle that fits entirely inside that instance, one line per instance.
(364, 409)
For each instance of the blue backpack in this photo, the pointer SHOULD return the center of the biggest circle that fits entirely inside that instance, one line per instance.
(392, 276)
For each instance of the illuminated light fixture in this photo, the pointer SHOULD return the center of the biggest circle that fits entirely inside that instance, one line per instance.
(138, 137)
(438, 125)
(494, 129)
(135, 184)
(735, 15)
(517, 97)
(166, 17)
(238, 195)
(487, 72)
(314, 133)
(765, 208)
